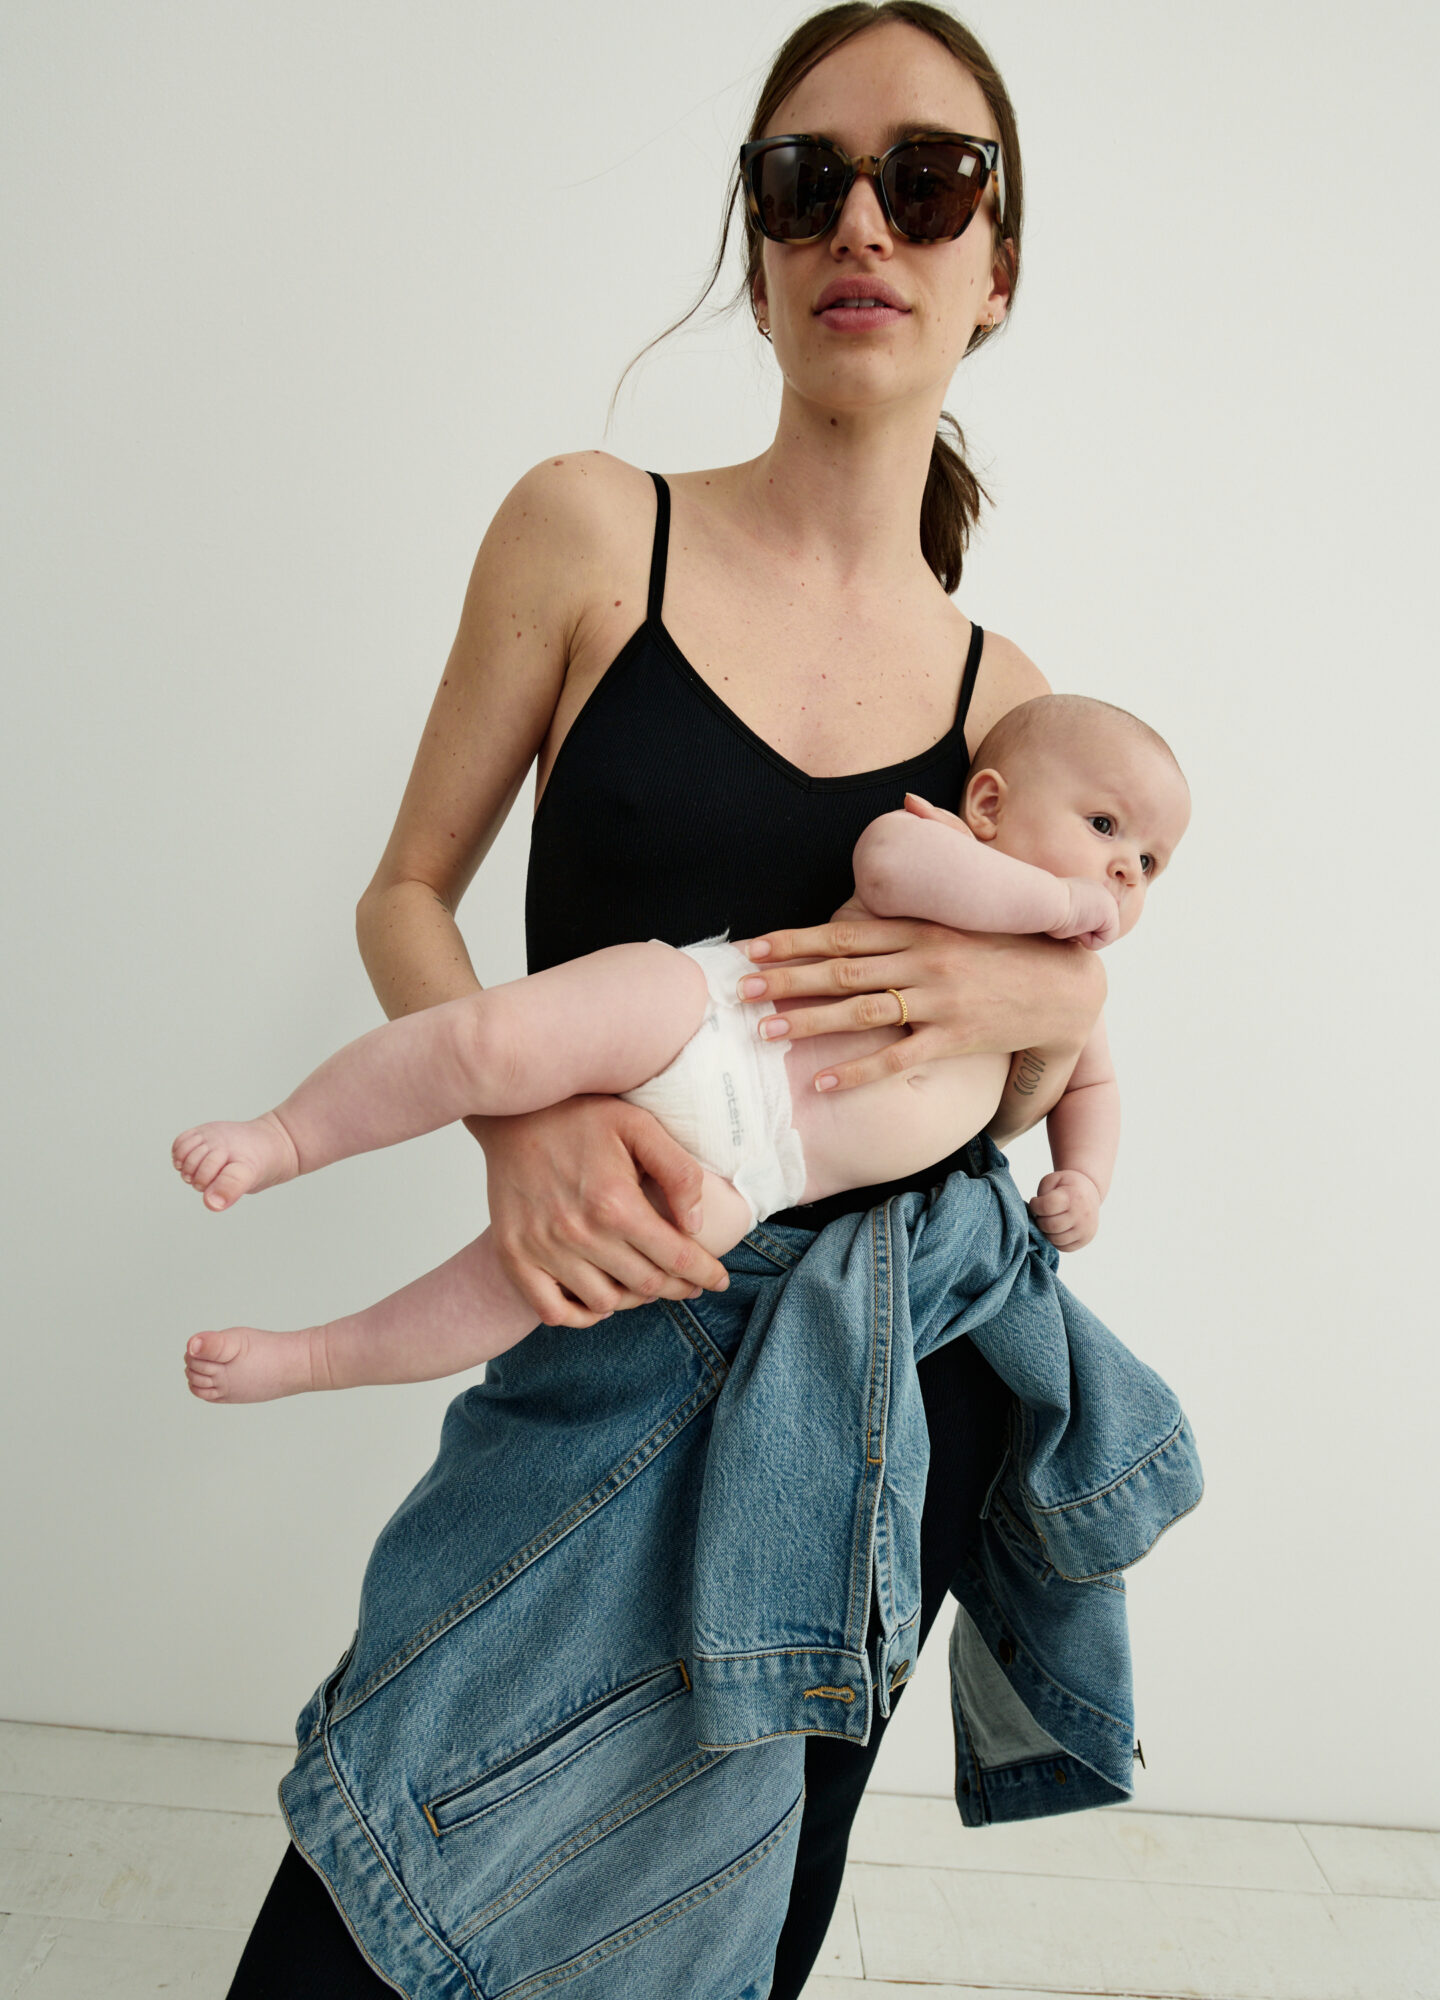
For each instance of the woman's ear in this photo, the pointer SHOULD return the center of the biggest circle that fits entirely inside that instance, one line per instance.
(1002, 282)
(984, 801)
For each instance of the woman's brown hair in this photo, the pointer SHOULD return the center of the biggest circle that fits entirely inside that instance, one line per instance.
(953, 494)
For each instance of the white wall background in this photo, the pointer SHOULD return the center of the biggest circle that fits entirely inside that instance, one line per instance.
(295, 293)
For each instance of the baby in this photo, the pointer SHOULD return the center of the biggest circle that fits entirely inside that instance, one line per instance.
(1072, 809)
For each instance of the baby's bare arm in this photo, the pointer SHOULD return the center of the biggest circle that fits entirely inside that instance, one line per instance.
(925, 862)
(1084, 1136)
(906, 866)
(1084, 1127)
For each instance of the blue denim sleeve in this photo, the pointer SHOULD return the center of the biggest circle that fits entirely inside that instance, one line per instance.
(1102, 1458)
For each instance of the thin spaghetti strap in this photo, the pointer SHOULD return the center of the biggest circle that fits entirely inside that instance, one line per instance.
(972, 668)
(659, 551)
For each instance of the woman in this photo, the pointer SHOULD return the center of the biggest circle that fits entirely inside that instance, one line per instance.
(709, 765)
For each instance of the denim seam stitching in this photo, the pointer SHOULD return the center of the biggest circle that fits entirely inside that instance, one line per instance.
(529, 1751)
(1066, 1694)
(1120, 1479)
(622, 1940)
(598, 1829)
(710, 1357)
(603, 1491)
(1098, 1576)
(862, 1547)
(334, 1897)
(769, 1246)
(550, 1771)
(399, 1887)
(780, 1653)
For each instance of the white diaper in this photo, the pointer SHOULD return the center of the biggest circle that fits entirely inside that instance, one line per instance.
(726, 1096)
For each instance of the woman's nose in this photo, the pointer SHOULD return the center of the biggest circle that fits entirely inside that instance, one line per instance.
(861, 224)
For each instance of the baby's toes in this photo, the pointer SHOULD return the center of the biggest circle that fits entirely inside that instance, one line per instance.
(201, 1164)
(214, 1349)
(227, 1182)
(187, 1152)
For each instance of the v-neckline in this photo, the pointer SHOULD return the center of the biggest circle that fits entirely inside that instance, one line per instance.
(845, 779)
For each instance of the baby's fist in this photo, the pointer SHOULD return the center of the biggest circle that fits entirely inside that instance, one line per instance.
(1093, 916)
(1066, 1208)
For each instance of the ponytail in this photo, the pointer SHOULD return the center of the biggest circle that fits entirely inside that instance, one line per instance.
(951, 506)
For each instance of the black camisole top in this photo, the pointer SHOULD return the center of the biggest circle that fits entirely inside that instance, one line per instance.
(665, 816)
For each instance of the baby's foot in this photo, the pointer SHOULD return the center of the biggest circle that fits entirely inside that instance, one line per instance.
(222, 1162)
(244, 1364)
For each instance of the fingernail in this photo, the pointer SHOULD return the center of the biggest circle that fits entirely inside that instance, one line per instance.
(826, 1082)
(697, 1293)
(751, 989)
(758, 948)
(774, 1028)
(695, 1218)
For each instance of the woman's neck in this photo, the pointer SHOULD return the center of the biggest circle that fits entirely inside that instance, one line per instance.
(843, 487)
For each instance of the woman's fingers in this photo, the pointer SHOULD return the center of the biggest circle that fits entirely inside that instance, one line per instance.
(550, 1302)
(867, 1010)
(677, 1173)
(893, 1060)
(843, 939)
(569, 1215)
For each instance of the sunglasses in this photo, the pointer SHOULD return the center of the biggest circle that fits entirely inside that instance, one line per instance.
(795, 186)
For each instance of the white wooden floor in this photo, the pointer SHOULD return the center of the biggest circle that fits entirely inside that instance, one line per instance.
(132, 1866)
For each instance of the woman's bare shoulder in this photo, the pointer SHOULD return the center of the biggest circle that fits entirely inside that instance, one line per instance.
(1006, 678)
(577, 503)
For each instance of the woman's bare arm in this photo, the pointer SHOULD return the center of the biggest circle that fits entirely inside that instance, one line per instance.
(490, 713)
(564, 1185)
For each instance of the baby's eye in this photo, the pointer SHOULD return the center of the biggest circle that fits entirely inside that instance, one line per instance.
(1101, 822)
(1147, 864)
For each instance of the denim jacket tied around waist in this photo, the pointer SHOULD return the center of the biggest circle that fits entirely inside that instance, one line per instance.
(565, 1745)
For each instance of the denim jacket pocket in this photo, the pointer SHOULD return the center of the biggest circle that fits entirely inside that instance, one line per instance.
(552, 1753)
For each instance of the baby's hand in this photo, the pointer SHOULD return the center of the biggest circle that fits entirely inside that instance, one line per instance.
(1093, 917)
(1066, 1208)
(923, 809)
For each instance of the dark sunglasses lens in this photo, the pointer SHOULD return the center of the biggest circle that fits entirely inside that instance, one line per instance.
(934, 189)
(798, 189)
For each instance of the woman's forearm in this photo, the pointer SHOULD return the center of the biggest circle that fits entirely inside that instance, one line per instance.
(412, 949)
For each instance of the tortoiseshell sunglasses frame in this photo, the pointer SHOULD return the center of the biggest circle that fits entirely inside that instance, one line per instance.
(874, 165)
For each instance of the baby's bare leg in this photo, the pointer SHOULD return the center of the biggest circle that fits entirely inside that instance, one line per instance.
(453, 1318)
(602, 1023)
(450, 1320)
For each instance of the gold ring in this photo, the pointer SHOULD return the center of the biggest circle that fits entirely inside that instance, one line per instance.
(904, 1010)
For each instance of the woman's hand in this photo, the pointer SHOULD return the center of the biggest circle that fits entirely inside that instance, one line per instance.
(571, 1221)
(966, 992)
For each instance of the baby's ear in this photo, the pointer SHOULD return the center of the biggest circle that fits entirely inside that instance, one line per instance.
(983, 802)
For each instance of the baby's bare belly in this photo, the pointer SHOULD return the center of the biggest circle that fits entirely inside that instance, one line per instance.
(884, 1131)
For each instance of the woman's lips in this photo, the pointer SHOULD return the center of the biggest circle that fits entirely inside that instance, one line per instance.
(859, 318)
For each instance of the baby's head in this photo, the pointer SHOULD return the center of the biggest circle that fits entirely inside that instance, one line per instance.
(1081, 788)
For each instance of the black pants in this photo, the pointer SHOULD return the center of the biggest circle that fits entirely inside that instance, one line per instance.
(300, 1948)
